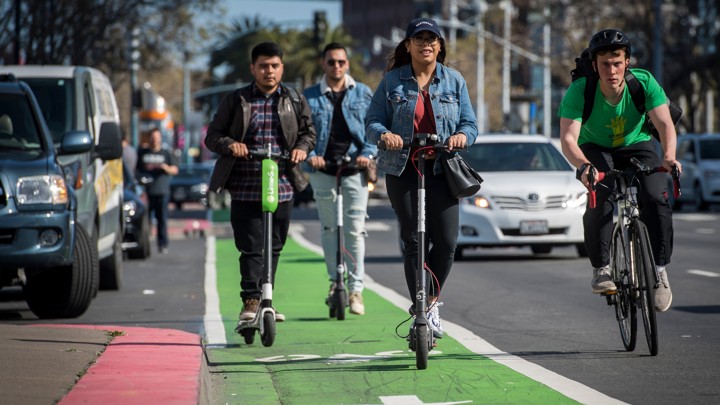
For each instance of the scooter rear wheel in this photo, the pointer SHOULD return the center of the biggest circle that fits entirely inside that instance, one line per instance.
(248, 335)
(268, 335)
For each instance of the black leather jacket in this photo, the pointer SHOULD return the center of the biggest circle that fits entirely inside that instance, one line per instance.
(230, 124)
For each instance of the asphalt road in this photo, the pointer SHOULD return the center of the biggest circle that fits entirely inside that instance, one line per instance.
(537, 307)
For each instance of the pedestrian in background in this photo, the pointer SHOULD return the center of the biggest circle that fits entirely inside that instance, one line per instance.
(338, 104)
(130, 155)
(157, 163)
(419, 94)
(249, 118)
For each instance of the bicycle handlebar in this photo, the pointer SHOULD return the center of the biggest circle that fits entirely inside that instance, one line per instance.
(639, 168)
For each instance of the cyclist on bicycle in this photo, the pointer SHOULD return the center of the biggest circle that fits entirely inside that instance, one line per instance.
(613, 133)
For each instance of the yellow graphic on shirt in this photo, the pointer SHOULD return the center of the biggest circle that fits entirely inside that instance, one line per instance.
(617, 125)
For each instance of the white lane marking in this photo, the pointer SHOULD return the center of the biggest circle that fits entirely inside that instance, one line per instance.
(570, 388)
(705, 273)
(695, 217)
(705, 231)
(213, 322)
(414, 400)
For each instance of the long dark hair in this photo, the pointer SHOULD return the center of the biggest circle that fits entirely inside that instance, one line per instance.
(401, 56)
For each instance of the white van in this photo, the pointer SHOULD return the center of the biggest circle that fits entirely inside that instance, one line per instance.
(78, 98)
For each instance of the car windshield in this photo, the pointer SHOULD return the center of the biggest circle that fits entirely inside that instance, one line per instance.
(515, 157)
(18, 128)
(55, 99)
(710, 149)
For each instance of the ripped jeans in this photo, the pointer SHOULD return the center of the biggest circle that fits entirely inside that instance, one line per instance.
(355, 200)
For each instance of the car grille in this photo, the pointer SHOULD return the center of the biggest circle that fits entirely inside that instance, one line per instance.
(515, 203)
(516, 232)
(6, 236)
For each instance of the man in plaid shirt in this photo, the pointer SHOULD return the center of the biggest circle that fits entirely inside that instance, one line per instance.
(261, 113)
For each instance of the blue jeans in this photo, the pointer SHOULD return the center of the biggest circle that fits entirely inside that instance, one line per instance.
(355, 200)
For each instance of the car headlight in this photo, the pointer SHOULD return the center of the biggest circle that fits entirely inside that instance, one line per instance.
(130, 208)
(711, 174)
(478, 201)
(201, 188)
(577, 201)
(41, 190)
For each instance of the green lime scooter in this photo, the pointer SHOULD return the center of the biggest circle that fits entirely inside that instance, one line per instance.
(264, 321)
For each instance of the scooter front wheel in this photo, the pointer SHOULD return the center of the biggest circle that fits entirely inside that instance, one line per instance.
(268, 335)
(422, 348)
(341, 300)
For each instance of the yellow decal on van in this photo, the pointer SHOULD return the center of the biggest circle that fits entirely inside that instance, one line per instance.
(108, 186)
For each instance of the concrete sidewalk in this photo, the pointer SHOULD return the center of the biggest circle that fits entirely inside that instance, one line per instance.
(89, 364)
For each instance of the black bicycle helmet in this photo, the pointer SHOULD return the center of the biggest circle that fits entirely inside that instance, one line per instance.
(608, 39)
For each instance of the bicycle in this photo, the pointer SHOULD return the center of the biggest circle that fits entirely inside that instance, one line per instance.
(338, 300)
(631, 258)
(264, 321)
(420, 338)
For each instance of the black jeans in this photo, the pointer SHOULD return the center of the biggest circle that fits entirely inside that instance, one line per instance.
(441, 224)
(655, 210)
(158, 206)
(246, 218)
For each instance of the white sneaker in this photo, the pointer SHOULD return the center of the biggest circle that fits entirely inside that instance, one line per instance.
(602, 282)
(433, 317)
(356, 304)
(663, 293)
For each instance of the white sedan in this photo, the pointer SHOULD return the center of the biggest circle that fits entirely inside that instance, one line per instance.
(529, 196)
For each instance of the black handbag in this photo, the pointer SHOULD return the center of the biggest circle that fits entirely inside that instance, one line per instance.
(463, 180)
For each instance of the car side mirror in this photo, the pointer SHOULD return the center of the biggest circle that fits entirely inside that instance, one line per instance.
(109, 145)
(75, 142)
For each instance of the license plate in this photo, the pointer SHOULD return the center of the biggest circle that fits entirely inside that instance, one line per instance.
(538, 227)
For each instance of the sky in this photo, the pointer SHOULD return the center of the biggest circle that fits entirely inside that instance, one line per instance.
(298, 13)
(293, 13)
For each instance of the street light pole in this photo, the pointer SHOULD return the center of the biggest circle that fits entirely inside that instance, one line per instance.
(547, 93)
(134, 67)
(507, 6)
(480, 93)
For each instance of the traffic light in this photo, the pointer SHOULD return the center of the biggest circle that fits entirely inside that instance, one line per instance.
(319, 28)
(135, 49)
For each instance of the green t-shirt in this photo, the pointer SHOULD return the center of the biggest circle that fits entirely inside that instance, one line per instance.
(609, 125)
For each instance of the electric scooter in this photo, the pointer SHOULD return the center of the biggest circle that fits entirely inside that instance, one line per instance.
(264, 321)
(338, 300)
(421, 339)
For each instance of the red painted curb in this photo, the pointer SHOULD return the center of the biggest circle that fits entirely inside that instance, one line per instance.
(141, 366)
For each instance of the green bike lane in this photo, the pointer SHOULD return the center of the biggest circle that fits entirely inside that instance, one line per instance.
(361, 360)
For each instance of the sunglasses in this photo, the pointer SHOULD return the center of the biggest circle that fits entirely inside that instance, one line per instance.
(420, 41)
(340, 62)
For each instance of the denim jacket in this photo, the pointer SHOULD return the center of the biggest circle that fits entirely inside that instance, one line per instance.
(393, 109)
(354, 106)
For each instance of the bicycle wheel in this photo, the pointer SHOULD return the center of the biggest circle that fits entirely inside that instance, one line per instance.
(625, 310)
(645, 267)
(422, 349)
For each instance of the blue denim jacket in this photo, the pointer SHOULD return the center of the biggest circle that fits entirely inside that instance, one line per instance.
(354, 106)
(393, 109)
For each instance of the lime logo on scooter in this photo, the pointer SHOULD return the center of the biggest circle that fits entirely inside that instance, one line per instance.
(269, 185)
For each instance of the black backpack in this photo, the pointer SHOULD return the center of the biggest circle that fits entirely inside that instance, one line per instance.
(583, 68)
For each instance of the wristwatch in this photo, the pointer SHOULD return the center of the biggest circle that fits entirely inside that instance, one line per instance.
(581, 170)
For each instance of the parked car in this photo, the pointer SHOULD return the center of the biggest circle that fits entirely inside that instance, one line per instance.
(43, 247)
(136, 238)
(529, 196)
(81, 98)
(699, 155)
(191, 184)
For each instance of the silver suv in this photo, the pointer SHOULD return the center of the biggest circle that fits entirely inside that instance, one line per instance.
(699, 155)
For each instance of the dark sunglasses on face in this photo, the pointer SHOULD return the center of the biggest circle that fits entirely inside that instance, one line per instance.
(340, 62)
